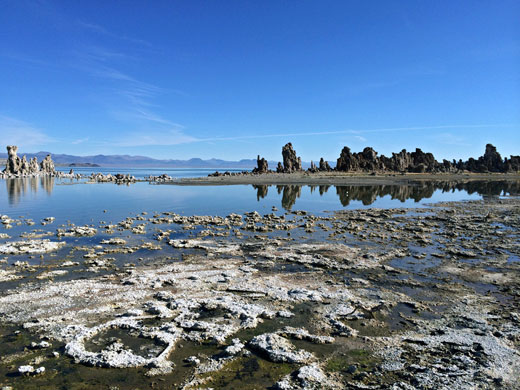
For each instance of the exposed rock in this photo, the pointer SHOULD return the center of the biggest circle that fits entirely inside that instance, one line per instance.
(77, 231)
(17, 166)
(313, 167)
(117, 355)
(47, 165)
(114, 241)
(303, 334)
(164, 178)
(324, 166)
(13, 161)
(291, 162)
(421, 162)
(25, 370)
(8, 275)
(310, 377)
(491, 161)
(234, 348)
(192, 360)
(30, 247)
(261, 165)
(41, 345)
(279, 349)
(346, 161)
(118, 178)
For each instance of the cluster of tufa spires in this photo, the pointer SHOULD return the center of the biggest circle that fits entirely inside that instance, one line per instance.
(21, 167)
(402, 162)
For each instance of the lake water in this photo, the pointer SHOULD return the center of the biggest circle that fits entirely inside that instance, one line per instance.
(81, 203)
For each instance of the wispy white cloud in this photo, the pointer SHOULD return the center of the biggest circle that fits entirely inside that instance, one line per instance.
(20, 133)
(132, 100)
(26, 60)
(92, 27)
(96, 28)
(175, 136)
(80, 141)
(152, 117)
(164, 138)
(358, 132)
(450, 139)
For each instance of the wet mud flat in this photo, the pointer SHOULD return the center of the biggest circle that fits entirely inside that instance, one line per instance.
(423, 298)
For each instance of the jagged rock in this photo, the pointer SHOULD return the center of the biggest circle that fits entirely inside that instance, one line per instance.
(421, 162)
(262, 166)
(117, 355)
(30, 247)
(20, 166)
(279, 349)
(24, 168)
(303, 334)
(310, 377)
(291, 162)
(118, 178)
(33, 165)
(234, 348)
(13, 161)
(313, 167)
(512, 164)
(47, 165)
(77, 231)
(491, 161)
(279, 168)
(324, 166)
(346, 161)
(25, 370)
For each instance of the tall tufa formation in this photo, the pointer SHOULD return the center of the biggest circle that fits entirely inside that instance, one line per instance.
(21, 166)
(291, 162)
(421, 162)
(261, 165)
(47, 165)
(403, 162)
(14, 162)
(324, 166)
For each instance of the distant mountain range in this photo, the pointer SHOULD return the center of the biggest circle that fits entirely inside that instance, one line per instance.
(143, 161)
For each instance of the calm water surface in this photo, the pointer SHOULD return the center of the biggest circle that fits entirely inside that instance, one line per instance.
(82, 203)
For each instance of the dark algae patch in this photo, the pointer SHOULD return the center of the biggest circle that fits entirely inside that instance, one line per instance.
(254, 371)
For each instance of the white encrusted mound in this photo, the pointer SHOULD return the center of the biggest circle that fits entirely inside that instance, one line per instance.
(30, 247)
(279, 349)
(116, 356)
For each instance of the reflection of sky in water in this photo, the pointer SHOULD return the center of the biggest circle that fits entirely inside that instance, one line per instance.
(81, 203)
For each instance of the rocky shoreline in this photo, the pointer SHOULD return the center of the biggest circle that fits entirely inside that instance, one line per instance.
(350, 167)
(402, 162)
(375, 298)
(369, 168)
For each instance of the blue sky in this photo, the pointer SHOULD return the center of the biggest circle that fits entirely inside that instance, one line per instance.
(233, 79)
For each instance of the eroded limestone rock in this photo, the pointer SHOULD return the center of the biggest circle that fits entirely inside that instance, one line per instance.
(30, 247)
(279, 349)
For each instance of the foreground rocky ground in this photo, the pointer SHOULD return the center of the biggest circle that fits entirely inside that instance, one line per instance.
(372, 299)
